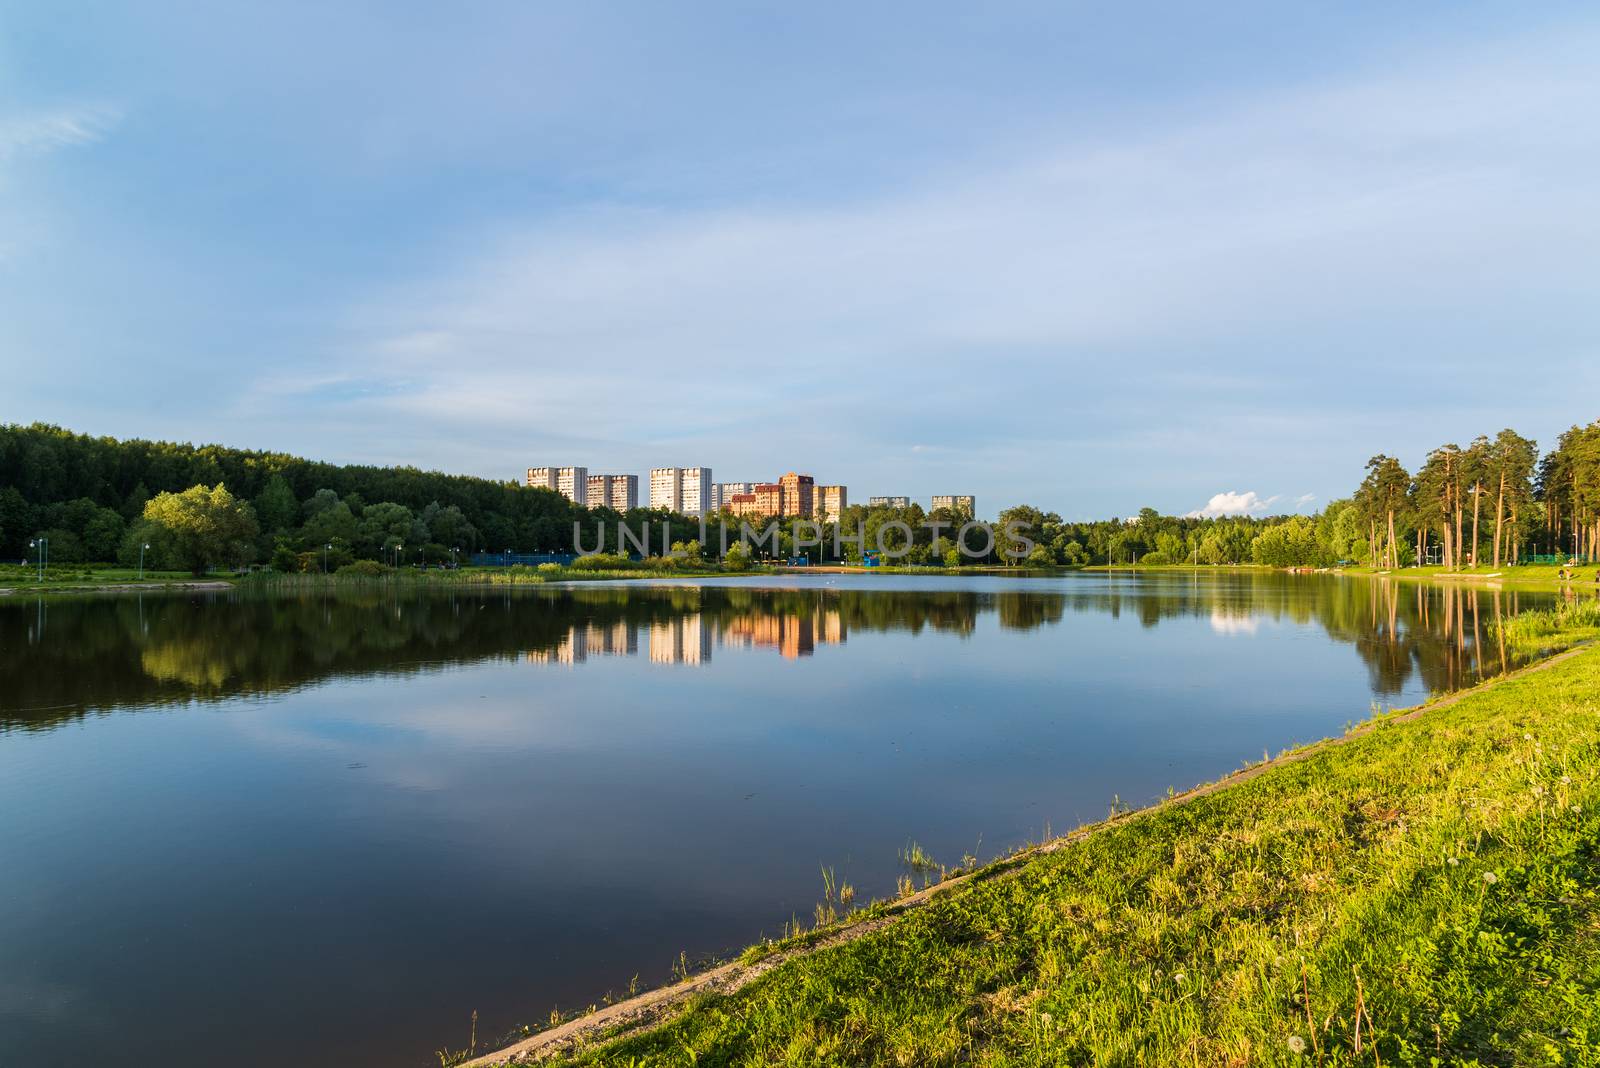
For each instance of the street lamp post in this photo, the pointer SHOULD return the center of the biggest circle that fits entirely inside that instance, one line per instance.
(325, 550)
(41, 543)
(143, 546)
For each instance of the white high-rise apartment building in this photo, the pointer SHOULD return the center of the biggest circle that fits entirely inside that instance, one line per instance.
(685, 490)
(957, 502)
(571, 482)
(698, 490)
(666, 488)
(614, 491)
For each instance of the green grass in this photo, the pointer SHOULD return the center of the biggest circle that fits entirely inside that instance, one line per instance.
(1422, 894)
(1522, 577)
(517, 575)
(90, 576)
(1129, 566)
(1545, 630)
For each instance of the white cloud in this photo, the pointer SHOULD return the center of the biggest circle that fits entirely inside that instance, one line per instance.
(1232, 502)
(1231, 625)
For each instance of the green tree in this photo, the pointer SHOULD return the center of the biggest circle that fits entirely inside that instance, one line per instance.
(276, 508)
(383, 526)
(204, 526)
(1288, 544)
(334, 523)
(1383, 493)
(102, 533)
(1511, 462)
(738, 556)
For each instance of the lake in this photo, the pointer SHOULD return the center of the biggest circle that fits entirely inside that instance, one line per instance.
(324, 828)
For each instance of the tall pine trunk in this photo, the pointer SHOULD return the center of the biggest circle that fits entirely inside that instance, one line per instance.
(1477, 495)
(1459, 554)
(1499, 513)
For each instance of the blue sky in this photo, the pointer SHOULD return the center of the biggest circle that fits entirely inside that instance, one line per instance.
(1091, 257)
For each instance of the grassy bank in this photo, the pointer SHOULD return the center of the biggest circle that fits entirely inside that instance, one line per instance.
(1523, 577)
(89, 578)
(71, 578)
(1547, 630)
(517, 575)
(1422, 893)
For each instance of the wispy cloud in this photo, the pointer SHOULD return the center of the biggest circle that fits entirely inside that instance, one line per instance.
(47, 131)
(29, 135)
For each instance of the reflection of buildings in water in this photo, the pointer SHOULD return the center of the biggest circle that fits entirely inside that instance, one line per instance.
(831, 631)
(793, 635)
(617, 639)
(685, 640)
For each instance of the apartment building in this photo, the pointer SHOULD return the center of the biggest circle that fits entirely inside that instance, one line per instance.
(666, 488)
(724, 492)
(697, 490)
(957, 502)
(768, 498)
(889, 502)
(685, 490)
(620, 492)
(798, 495)
(831, 502)
(742, 504)
(571, 482)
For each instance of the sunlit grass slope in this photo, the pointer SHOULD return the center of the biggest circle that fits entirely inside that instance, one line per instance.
(1426, 893)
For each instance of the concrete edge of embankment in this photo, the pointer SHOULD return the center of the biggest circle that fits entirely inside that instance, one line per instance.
(655, 1007)
(121, 587)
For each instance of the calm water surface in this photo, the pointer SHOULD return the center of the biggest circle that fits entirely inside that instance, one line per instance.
(323, 829)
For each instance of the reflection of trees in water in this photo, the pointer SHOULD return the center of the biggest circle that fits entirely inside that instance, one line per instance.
(59, 659)
(1397, 628)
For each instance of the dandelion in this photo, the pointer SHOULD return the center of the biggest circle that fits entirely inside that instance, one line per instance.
(1538, 791)
(1566, 780)
(1490, 877)
(1454, 861)
(1179, 977)
(1297, 1045)
(1577, 808)
(1527, 737)
(1046, 1019)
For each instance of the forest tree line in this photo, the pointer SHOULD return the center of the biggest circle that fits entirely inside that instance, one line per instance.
(1495, 501)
